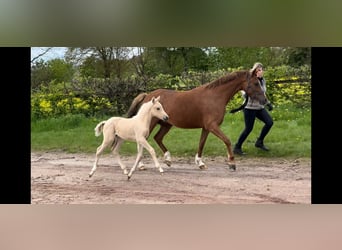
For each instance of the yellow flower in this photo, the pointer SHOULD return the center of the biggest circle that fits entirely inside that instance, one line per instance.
(45, 106)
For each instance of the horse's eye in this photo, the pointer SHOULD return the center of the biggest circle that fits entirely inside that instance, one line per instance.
(158, 108)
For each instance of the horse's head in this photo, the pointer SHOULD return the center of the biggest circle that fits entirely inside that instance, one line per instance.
(158, 110)
(253, 88)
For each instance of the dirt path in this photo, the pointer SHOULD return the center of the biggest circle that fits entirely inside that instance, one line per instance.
(60, 178)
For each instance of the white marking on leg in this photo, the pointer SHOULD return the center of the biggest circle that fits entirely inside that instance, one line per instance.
(199, 162)
(152, 152)
(141, 165)
(167, 158)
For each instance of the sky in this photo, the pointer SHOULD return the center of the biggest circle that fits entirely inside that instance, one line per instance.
(55, 52)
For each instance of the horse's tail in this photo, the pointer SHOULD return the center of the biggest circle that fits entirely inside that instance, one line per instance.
(136, 103)
(99, 128)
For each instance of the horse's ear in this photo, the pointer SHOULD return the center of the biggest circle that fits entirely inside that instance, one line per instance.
(155, 99)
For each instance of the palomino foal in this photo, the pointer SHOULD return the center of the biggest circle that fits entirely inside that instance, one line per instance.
(116, 130)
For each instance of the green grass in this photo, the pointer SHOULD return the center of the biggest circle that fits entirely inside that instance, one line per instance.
(290, 136)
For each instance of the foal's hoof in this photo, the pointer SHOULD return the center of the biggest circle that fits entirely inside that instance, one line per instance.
(232, 167)
(203, 167)
(168, 163)
(141, 168)
(128, 177)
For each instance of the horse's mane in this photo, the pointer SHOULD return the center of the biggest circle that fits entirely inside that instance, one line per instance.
(136, 103)
(225, 79)
(144, 106)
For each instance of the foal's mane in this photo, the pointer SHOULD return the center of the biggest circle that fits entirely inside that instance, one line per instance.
(145, 106)
(225, 79)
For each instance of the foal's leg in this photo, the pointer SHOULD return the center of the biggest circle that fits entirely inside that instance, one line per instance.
(158, 137)
(198, 157)
(115, 151)
(163, 130)
(137, 160)
(153, 123)
(107, 140)
(218, 132)
(150, 149)
(141, 145)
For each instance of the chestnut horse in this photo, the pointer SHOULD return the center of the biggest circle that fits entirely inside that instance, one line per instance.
(116, 130)
(202, 107)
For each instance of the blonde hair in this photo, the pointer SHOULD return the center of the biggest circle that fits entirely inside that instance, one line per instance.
(256, 65)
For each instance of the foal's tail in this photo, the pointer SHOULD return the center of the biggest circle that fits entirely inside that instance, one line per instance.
(99, 128)
(136, 103)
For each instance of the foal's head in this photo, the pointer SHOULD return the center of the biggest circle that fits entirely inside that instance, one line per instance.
(253, 87)
(157, 109)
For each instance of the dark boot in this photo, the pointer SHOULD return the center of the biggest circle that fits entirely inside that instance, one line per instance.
(260, 144)
(237, 150)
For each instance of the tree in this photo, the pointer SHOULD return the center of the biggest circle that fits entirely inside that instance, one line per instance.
(109, 61)
(245, 57)
(40, 55)
(61, 71)
(40, 74)
(194, 58)
(299, 56)
(174, 60)
(57, 70)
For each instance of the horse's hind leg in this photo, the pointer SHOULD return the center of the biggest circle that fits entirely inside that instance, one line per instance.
(99, 151)
(163, 130)
(117, 144)
(107, 140)
(198, 157)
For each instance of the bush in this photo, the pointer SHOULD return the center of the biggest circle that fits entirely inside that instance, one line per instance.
(100, 97)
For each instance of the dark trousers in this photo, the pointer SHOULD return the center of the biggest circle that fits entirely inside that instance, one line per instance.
(250, 115)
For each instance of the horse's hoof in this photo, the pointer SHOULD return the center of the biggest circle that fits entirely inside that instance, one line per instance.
(90, 175)
(203, 167)
(168, 163)
(142, 168)
(128, 177)
(232, 167)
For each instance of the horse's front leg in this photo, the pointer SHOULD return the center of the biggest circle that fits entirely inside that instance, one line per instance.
(198, 157)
